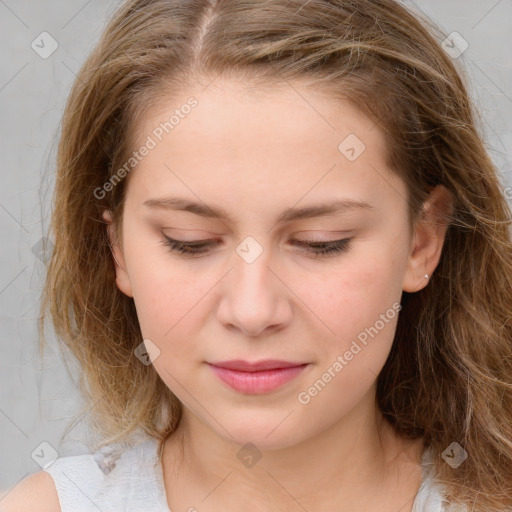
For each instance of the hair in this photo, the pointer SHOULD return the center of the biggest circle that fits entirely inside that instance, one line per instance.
(448, 377)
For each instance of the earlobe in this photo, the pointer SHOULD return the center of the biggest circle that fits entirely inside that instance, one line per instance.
(428, 239)
(122, 277)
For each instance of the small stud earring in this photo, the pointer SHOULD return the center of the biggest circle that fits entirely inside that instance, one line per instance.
(426, 275)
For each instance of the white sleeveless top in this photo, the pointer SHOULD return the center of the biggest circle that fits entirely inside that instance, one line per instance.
(133, 482)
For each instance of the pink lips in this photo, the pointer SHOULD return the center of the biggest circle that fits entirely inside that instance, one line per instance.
(256, 378)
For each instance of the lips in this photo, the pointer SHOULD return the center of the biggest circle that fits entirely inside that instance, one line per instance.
(256, 378)
(247, 366)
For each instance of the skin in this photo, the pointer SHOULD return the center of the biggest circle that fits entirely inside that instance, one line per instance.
(267, 151)
(256, 153)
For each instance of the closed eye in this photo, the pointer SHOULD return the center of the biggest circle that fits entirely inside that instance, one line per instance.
(200, 247)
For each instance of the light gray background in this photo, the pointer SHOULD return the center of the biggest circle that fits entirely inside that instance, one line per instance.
(37, 398)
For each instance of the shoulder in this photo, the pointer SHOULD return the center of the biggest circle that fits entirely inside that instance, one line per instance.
(35, 492)
(111, 479)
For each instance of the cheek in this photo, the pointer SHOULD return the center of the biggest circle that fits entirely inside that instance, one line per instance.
(358, 306)
(359, 312)
(165, 304)
(167, 309)
(164, 291)
(351, 297)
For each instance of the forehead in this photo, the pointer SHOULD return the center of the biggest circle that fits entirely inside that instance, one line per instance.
(293, 111)
(249, 140)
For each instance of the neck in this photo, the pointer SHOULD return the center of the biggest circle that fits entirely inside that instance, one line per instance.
(360, 459)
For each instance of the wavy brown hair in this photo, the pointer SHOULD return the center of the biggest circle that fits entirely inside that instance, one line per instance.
(448, 377)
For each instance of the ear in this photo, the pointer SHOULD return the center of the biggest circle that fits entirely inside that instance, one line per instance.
(428, 239)
(122, 277)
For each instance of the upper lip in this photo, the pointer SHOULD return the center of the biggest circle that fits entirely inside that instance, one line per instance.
(248, 366)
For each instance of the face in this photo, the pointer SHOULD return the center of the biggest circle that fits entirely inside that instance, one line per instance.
(270, 278)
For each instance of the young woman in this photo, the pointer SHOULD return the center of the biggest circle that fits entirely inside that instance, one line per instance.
(283, 260)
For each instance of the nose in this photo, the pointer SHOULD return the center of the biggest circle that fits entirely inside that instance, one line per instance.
(255, 298)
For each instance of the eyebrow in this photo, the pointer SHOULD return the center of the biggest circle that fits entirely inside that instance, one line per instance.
(290, 214)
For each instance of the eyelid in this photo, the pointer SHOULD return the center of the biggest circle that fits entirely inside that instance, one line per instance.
(318, 249)
(186, 237)
(301, 241)
(332, 236)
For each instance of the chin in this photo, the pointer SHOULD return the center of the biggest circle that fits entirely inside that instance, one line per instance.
(264, 434)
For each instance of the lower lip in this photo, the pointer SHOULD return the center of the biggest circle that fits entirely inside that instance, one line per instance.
(257, 383)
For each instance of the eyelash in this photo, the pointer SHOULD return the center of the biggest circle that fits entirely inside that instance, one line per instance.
(197, 247)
